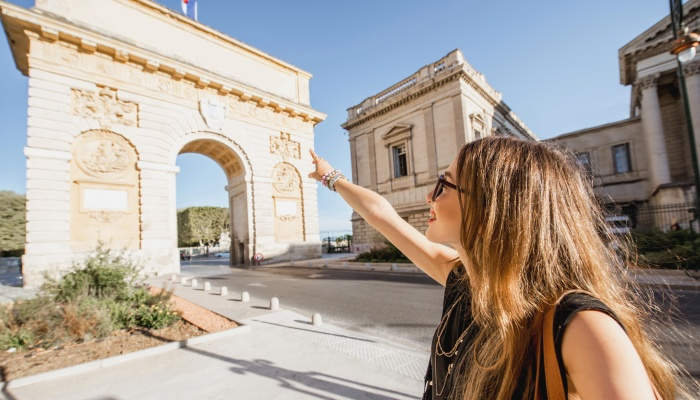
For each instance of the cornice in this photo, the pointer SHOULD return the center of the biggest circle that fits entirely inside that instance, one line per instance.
(655, 40)
(428, 86)
(36, 26)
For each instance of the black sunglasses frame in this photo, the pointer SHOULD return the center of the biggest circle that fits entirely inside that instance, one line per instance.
(437, 191)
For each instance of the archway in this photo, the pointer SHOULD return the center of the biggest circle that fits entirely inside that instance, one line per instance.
(221, 150)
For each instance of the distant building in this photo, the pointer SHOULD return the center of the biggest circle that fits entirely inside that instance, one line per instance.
(642, 166)
(402, 137)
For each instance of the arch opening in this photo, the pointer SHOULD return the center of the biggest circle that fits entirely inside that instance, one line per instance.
(236, 237)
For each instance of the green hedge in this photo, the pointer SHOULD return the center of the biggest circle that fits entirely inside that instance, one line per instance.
(669, 250)
(383, 254)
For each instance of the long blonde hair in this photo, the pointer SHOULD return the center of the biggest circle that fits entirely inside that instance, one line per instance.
(533, 230)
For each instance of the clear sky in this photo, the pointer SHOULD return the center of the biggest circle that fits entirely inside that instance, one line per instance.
(555, 62)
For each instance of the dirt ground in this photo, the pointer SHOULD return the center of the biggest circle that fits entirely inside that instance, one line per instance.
(34, 361)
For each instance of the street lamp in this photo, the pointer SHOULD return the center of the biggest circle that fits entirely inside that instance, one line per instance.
(683, 49)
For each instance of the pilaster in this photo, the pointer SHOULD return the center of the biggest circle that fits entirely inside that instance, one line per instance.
(659, 172)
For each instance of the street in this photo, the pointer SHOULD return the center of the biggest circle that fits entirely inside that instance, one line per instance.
(405, 308)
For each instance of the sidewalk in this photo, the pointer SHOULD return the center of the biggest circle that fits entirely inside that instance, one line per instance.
(282, 357)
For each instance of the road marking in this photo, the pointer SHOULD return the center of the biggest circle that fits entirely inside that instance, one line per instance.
(257, 284)
(316, 276)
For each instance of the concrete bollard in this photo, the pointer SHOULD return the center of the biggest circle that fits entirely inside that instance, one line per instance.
(274, 304)
(245, 297)
(173, 278)
(224, 291)
(194, 284)
(394, 267)
(316, 319)
(183, 281)
(207, 286)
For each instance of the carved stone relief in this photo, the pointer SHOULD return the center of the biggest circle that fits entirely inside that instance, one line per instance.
(285, 179)
(287, 201)
(104, 106)
(103, 154)
(285, 146)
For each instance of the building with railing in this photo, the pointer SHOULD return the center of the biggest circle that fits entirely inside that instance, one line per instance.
(642, 166)
(401, 137)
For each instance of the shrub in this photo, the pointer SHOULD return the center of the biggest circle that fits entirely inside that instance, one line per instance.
(155, 316)
(101, 275)
(389, 253)
(100, 295)
(675, 249)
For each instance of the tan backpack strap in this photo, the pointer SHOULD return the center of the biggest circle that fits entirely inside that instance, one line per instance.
(552, 374)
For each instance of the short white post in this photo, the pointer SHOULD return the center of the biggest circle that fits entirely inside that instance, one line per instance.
(245, 297)
(394, 267)
(194, 284)
(173, 278)
(183, 281)
(224, 291)
(316, 319)
(207, 286)
(274, 304)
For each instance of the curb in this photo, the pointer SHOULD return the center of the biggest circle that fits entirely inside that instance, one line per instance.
(114, 360)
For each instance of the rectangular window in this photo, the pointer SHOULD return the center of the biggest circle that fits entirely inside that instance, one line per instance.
(621, 158)
(584, 160)
(400, 161)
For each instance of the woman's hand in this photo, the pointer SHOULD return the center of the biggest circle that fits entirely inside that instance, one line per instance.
(322, 166)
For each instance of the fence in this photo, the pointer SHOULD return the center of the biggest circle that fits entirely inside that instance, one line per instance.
(336, 242)
(665, 217)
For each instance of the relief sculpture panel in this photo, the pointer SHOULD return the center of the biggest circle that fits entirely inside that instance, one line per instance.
(287, 200)
(104, 106)
(104, 192)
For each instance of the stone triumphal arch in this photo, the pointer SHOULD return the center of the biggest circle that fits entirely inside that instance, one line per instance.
(119, 88)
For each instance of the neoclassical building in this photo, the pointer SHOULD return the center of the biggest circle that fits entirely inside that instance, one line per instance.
(403, 136)
(644, 162)
(112, 104)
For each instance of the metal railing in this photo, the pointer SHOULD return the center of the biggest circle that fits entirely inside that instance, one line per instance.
(664, 217)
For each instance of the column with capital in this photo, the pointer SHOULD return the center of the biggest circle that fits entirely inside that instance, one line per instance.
(692, 82)
(652, 125)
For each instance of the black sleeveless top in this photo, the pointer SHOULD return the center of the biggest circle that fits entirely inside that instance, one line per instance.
(446, 351)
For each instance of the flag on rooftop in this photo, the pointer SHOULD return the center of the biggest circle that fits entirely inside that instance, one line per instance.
(189, 8)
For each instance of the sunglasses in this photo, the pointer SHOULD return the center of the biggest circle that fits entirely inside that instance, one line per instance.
(441, 183)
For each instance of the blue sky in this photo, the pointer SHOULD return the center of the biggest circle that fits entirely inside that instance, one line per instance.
(554, 61)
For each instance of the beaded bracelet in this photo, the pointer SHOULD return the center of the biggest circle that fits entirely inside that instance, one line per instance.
(331, 175)
(334, 180)
(325, 176)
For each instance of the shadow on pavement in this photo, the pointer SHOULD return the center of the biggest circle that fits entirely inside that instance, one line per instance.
(313, 331)
(318, 381)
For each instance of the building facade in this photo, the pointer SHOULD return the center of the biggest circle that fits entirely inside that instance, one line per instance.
(119, 88)
(644, 162)
(403, 136)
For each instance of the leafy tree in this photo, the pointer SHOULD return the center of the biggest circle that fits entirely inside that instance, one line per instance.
(12, 223)
(201, 226)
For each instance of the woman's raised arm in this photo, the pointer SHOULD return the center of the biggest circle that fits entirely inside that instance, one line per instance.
(433, 258)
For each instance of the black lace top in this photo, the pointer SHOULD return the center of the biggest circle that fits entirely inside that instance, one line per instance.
(456, 324)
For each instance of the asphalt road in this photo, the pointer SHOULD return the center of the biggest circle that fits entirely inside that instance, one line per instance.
(406, 307)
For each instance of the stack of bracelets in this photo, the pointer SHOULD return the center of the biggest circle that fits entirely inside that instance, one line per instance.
(330, 178)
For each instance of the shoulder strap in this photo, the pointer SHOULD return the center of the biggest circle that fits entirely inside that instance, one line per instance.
(552, 373)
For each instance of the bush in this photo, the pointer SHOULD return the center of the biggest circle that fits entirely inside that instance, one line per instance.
(671, 250)
(102, 275)
(389, 253)
(100, 295)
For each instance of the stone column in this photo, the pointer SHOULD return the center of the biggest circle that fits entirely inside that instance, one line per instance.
(692, 83)
(652, 126)
(430, 142)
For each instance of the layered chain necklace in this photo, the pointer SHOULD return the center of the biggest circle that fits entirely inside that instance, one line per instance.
(440, 351)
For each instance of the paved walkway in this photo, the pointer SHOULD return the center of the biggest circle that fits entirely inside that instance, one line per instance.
(282, 357)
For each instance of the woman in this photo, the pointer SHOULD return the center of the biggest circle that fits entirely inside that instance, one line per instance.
(513, 230)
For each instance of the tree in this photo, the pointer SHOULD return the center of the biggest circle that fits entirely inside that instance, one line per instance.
(201, 226)
(12, 223)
